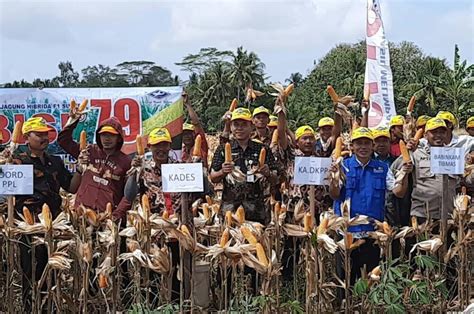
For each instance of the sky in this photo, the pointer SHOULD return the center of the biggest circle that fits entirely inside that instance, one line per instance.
(287, 35)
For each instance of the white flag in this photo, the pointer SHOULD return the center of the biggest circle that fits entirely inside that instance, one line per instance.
(378, 75)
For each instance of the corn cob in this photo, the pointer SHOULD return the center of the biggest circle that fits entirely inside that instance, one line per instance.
(253, 95)
(146, 205)
(225, 237)
(283, 209)
(404, 151)
(240, 213)
(233, 105)
(28, 217)
(376, 271)
(209, 200)
(16, 132)
(228, 218)
(83, 105)
(289, 89)
(109, 209)
(332, 93)
(140, 148)
(261, 157)
(465, 203)
(48, 220)
(349, 240)
(419, 134)
(411, 104)
(165, 214)
(228, 153)
(414, 222)
(197, 146)
(262, 257)
(103, 282)
(205, 210)
(72, 105)
(91, 216)
(323, 226)
(386, 228)
(185, 230)
(338, 148)
(248, 235)
(308, 222)
(275, 137)
(277, 209)
(82, 140)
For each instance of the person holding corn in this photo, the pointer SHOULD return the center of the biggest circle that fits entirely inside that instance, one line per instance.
(242, 167)
(50, 175)
(421, 121)
(329, 131)
(396, 134)
(260, 120)
(470, 126)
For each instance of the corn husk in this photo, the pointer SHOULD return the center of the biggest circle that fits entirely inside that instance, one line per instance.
(109, 209)
(209, 200)
(103, 282)
(185, 230)
(205, 211)
(431, 245)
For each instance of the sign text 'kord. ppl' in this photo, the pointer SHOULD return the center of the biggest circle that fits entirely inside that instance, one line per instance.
(16, 179)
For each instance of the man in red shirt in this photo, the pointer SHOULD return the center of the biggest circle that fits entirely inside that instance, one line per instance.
(103, 180)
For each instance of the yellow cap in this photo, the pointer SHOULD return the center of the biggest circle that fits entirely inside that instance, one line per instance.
(397, 120)
(470, 123)
(304, 130)
(273, 121)
(326, 121)
(362, 132)
(380, 131)
(188, 127)
(421, 121)
(241, 113)
(159, 135)
(35, 124)
(446, 115)
(434, 123)
(260, 109)
(108, 129)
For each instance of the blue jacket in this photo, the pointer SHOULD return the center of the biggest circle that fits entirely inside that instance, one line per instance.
(365, 186)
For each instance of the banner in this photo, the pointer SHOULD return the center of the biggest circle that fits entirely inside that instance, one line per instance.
(378, 75)
(139, 110)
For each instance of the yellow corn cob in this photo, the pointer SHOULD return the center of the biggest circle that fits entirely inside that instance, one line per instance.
(465, 203)
(103, 282)
(165, 214)
(16, 132)
(419, 134)
(262, 257)
(248, 235)
(91, 216)
(376, 271)
(386, 228)
(233, 105)
(308, 222)
(228, 218)
(338, 148)
(277, 209)
(261, 157)
(209, 200)
(253, 95)
(275, 137)
(185, 230)
(414, 222)
(72, 105)
(197, 146)
(82, 140)
(411, 104)
(240, 213)
(348, 240)
(140, 148)
(146, 205)
(205, 210)
(332, 93)
(224, 238)
(323, 226)
(48, 220)
(289, 89)
(404, 151)
(28, 216)
(228, 153)
(83, 105)
(109, 209)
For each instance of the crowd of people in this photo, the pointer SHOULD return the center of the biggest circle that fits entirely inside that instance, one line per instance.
(379, 181)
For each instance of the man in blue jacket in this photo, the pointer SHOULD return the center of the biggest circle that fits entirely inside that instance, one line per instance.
(367, 181)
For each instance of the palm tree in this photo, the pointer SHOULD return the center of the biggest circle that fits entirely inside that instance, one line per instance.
(458, 82)
(246, 68)
(295, 78)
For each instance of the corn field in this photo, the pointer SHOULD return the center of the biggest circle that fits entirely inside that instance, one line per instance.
(230, 264)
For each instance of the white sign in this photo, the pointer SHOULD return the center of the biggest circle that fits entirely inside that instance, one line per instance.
(16, 179)
(182, 177)
(312, 170)
(447, 160)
